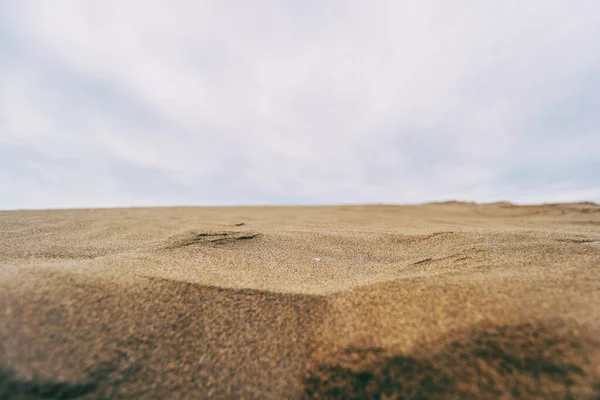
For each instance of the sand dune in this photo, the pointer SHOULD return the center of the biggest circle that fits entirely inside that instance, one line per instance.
(444, 300)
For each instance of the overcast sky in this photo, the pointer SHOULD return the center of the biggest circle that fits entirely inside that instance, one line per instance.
(133, 103)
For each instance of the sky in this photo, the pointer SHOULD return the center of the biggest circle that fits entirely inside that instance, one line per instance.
(141, 103)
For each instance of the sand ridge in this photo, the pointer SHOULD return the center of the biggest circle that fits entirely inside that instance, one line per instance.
(291, 302)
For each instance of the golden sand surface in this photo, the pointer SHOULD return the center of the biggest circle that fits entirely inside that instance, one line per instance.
(440, 301)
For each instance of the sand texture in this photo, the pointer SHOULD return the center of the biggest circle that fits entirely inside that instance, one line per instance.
(437, 301)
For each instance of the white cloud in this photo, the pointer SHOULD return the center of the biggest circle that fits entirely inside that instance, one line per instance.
(296, 102)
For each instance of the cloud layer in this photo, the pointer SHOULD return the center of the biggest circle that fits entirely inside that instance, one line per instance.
(159, 103)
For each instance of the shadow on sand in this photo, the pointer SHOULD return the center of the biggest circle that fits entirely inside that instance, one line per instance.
(528, 361)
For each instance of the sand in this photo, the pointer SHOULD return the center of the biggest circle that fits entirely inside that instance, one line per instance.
(445, 300)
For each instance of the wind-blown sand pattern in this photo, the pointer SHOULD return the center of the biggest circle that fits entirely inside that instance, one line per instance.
(438, 301)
